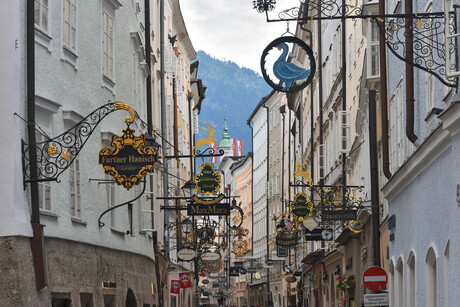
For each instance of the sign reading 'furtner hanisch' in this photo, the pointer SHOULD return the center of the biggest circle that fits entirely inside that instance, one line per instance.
(128, 159)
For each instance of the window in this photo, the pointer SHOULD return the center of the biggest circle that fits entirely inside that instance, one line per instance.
(44, 188)
(107, 44)
(431, 280)
(74, 182)
(70, 24)
(41, 14)
(411, 302)
(399, 285)
(373, 69)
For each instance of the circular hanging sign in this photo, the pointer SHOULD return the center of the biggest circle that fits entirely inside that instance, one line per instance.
(186, 254)
(214, 266)
(280, 72)
(209, 256)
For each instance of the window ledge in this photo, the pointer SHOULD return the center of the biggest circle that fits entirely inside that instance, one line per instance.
(117, 232)
(43, 38)
(108, 83)
(78, 221)
(69, 55)
(48, 213)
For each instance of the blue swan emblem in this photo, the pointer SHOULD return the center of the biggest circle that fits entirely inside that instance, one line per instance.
(288, 72)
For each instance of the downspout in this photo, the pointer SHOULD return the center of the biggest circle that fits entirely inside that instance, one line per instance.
(409, 73)
(374, 177)
(150, 132)
(252, 191)
(282, 111)
(320, 93)
(344, 91)
(176, 153)
(189, 98)
(267, 207)
(37, 241)
(384, 95)
(163, 125)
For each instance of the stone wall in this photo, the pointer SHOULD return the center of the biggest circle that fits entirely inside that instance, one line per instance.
(76, 272)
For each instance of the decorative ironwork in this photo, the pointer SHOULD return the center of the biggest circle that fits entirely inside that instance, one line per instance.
(55, 155)
(264, 5)
(429, 53)
(208, 152)
(207, 140)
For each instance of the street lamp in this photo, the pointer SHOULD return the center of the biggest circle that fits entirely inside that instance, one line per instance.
(150, 140)
(189, 188)
(186, 226)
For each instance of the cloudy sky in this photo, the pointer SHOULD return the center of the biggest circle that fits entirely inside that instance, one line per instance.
(231, 29)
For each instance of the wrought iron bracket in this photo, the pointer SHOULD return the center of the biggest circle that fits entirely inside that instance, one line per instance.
(55, 155)
(101, 224)
(428, 29)
(208, 152)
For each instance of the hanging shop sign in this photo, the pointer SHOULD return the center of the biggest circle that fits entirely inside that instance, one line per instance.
(222, 279)
(234, 272)
(128, 159)
(301, 206)
(286, 230)
(216, 209)
(318, 235)
(209, 256)
(213, 266)
(208, 180)
(277, 69)
(310, 224)
(338, 215)
(208, 201)
(109, 285)
(186, 254)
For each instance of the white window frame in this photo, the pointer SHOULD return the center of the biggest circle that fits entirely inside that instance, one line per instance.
(69, 51)
(75, 188)
(107, 48)
(42, 34)
(372, 26)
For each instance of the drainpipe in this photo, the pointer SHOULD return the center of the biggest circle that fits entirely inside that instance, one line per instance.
(320, 93)
(409, 73)
(344, 91)
(282, 111)
(163, 125)
(252, 191)
(268, 206)
(37, 241)
(374, 177)
(384, 96)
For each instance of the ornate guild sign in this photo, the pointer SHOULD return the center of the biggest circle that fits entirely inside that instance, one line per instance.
(278, 68)
(286, 230)
(128, 159)
(208, 180)
(301, 206)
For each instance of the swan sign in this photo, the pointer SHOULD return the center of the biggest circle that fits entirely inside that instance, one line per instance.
(281, 70)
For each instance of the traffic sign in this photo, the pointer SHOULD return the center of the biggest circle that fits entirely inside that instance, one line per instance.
(380, 299)
(375, 278)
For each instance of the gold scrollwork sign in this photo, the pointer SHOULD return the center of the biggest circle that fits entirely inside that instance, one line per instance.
(128, 159)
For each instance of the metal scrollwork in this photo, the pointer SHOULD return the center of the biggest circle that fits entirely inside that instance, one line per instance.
(330, 9)
(292, 13)
(55, 155)
(429, 51)
(209, 152)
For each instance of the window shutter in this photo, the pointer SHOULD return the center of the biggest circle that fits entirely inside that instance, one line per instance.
(344, 117)
(322, 161)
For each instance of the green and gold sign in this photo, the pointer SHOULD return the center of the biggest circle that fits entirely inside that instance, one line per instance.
(301, 206)
(208, 180)
(128, 159)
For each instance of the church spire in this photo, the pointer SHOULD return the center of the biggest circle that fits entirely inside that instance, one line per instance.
(225, 141)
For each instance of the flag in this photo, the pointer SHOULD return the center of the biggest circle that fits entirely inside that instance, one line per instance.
(214, 146)
(175, 286)
(240, 148)
(185, 281)
(233, 147)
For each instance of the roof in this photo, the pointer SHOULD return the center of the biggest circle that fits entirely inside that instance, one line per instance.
(262, 101)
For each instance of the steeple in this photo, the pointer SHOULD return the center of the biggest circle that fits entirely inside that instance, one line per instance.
(225, 141)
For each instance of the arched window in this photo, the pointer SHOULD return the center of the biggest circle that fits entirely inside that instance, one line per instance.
(411, 302)
(399, 283)
(391, 281)
(446, 274)
(431, 279)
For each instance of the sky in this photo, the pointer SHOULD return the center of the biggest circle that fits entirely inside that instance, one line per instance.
(232, 29)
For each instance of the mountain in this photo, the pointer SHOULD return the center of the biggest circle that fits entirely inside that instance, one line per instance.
(238, 88)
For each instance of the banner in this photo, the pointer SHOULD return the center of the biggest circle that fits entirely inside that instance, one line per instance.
(214, 146)
(233, 141)
(175, 287)
(240, 148)
(185, 281)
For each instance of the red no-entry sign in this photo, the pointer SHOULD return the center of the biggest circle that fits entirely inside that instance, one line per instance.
(375, 278)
